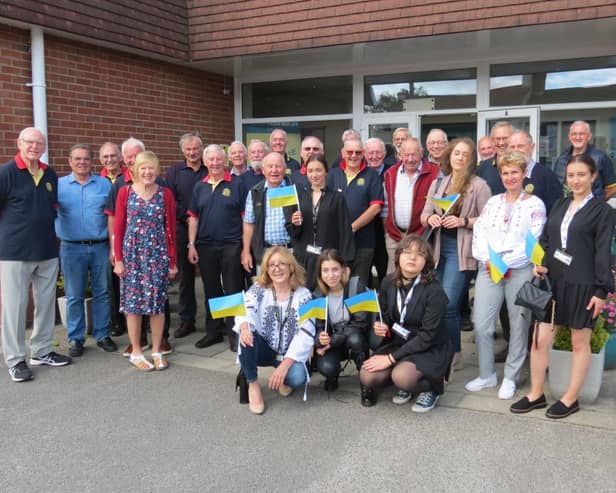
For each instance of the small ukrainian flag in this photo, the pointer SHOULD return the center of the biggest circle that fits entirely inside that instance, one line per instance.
(534, 251)
(498, 268)
(316, 308)
(445, 202)
(227, 306)
(282, 196)
(363, 302)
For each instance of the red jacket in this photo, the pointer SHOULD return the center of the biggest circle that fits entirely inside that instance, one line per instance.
(429, 172)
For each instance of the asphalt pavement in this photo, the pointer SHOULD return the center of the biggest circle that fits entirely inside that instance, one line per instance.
(100, 425)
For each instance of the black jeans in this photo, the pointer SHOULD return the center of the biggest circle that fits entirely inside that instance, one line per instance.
(187, 308)
(349, 343)
(220, 263)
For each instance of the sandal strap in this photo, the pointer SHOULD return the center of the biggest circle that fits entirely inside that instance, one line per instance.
(141, 362)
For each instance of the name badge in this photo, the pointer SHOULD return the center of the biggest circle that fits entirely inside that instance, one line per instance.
(401, 331)
(563, 257)
(314, 249)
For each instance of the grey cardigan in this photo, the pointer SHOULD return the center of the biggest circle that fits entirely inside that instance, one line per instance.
(475, 198)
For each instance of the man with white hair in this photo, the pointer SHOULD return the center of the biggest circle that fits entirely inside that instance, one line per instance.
(348, 134)
(237, 154)
(310, 145)
(278, 143)
(436, 143)
(257, 150)
(580, 138)
(28, 254)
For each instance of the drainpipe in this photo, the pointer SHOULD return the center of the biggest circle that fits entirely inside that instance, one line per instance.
(39, 94)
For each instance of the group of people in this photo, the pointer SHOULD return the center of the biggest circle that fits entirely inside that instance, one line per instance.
(371, 209)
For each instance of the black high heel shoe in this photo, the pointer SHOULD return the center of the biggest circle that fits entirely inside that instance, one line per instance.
(242, 385)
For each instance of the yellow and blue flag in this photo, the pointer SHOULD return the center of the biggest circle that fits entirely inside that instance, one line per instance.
(363, 302)
(282, 196)
(534, 251)
(227, 306)
(316, 308)
(498, 268)
(445, 202)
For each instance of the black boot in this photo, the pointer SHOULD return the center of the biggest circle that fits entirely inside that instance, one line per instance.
(368, 397)
(242, 385)
(331, 384)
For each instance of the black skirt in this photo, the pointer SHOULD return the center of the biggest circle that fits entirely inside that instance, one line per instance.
(432, 363)
(571, 302)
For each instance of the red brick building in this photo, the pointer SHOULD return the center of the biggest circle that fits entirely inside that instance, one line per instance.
(234, 69)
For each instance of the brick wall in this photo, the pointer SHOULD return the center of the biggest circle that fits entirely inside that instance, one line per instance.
(223, 28)
(96, 94)
(155, 26)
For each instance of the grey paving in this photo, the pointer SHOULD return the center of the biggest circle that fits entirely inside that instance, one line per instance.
(99, 425)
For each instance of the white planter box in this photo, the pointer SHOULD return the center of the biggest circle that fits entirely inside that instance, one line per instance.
(560, 373)
(87, 306)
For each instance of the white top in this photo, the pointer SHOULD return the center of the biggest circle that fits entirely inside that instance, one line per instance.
(503, 226)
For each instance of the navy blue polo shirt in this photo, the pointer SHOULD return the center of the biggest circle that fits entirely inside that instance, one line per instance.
(219, 210)
(181, 180)
(27, 213)
(364, 190)
(488, 170)
(250, 178)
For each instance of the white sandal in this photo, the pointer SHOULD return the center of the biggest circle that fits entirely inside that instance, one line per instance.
(141, 363)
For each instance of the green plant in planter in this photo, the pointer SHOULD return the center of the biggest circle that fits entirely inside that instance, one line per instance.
(598, 339)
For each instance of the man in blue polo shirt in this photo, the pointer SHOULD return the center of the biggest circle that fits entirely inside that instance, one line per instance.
(28, 254)
(363, 192)
(215, 239)
(81, 226)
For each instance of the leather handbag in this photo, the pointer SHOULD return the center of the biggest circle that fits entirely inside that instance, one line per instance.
(536, 296)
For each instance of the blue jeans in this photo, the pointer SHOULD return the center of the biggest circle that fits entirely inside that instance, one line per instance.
(77, 261)
(454, 282)
(260, 354)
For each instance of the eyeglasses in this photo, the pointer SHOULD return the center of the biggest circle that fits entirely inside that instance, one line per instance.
(280, 266)
(437, 142)
(312, 148)
(354, 153)
(578, 134)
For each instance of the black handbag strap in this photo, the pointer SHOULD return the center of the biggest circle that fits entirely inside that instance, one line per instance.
(545, 279)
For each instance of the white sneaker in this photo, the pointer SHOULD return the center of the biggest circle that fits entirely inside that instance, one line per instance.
(507, 389)
(481, 383)
(402, 397)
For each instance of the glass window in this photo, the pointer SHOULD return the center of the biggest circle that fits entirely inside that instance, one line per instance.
(559, 81)
(554, 131)
(329, 131)
(422, 91)
(301, 97)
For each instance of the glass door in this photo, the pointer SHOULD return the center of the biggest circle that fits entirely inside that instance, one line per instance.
(526, 118)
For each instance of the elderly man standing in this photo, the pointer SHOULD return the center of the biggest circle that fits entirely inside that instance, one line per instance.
(580, 136)
(485, 148)
(406, 188)
(436, 143)
(81, 226)
(215, 239)
(257, 150)
(374, 150)
(28, 254)
(264, 226)
(310, 145)
(237, 155)
(278, 143)
(181, 180)
(500, 133)
(363, 192)
(111, 159)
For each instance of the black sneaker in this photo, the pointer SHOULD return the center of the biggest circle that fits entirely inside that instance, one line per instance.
(331, 384)
(75, 348)
(107, 345)
(20, 372)
(51, 359)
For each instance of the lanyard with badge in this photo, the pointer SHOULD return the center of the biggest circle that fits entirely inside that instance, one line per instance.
(314, 248)
(561, 254)
(281, 321)
(397, 327)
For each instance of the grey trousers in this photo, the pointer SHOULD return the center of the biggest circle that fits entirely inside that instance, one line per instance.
(488, 300)
(15, 279)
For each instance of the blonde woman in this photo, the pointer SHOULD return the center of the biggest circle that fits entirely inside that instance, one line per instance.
(144, 246)
(270, 333)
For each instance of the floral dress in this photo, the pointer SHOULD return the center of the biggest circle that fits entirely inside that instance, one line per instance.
(143, 290)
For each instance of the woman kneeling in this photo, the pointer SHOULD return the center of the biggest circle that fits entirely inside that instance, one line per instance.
(270, 333)
(414, 344)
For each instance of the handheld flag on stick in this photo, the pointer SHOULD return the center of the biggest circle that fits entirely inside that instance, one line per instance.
(316, 308)
(227, 306)
(534, 251)
(282, 196)
(498, 268)
(363, 302)
(445, 203)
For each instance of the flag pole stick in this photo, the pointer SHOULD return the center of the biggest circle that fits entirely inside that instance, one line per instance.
(378, 305)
